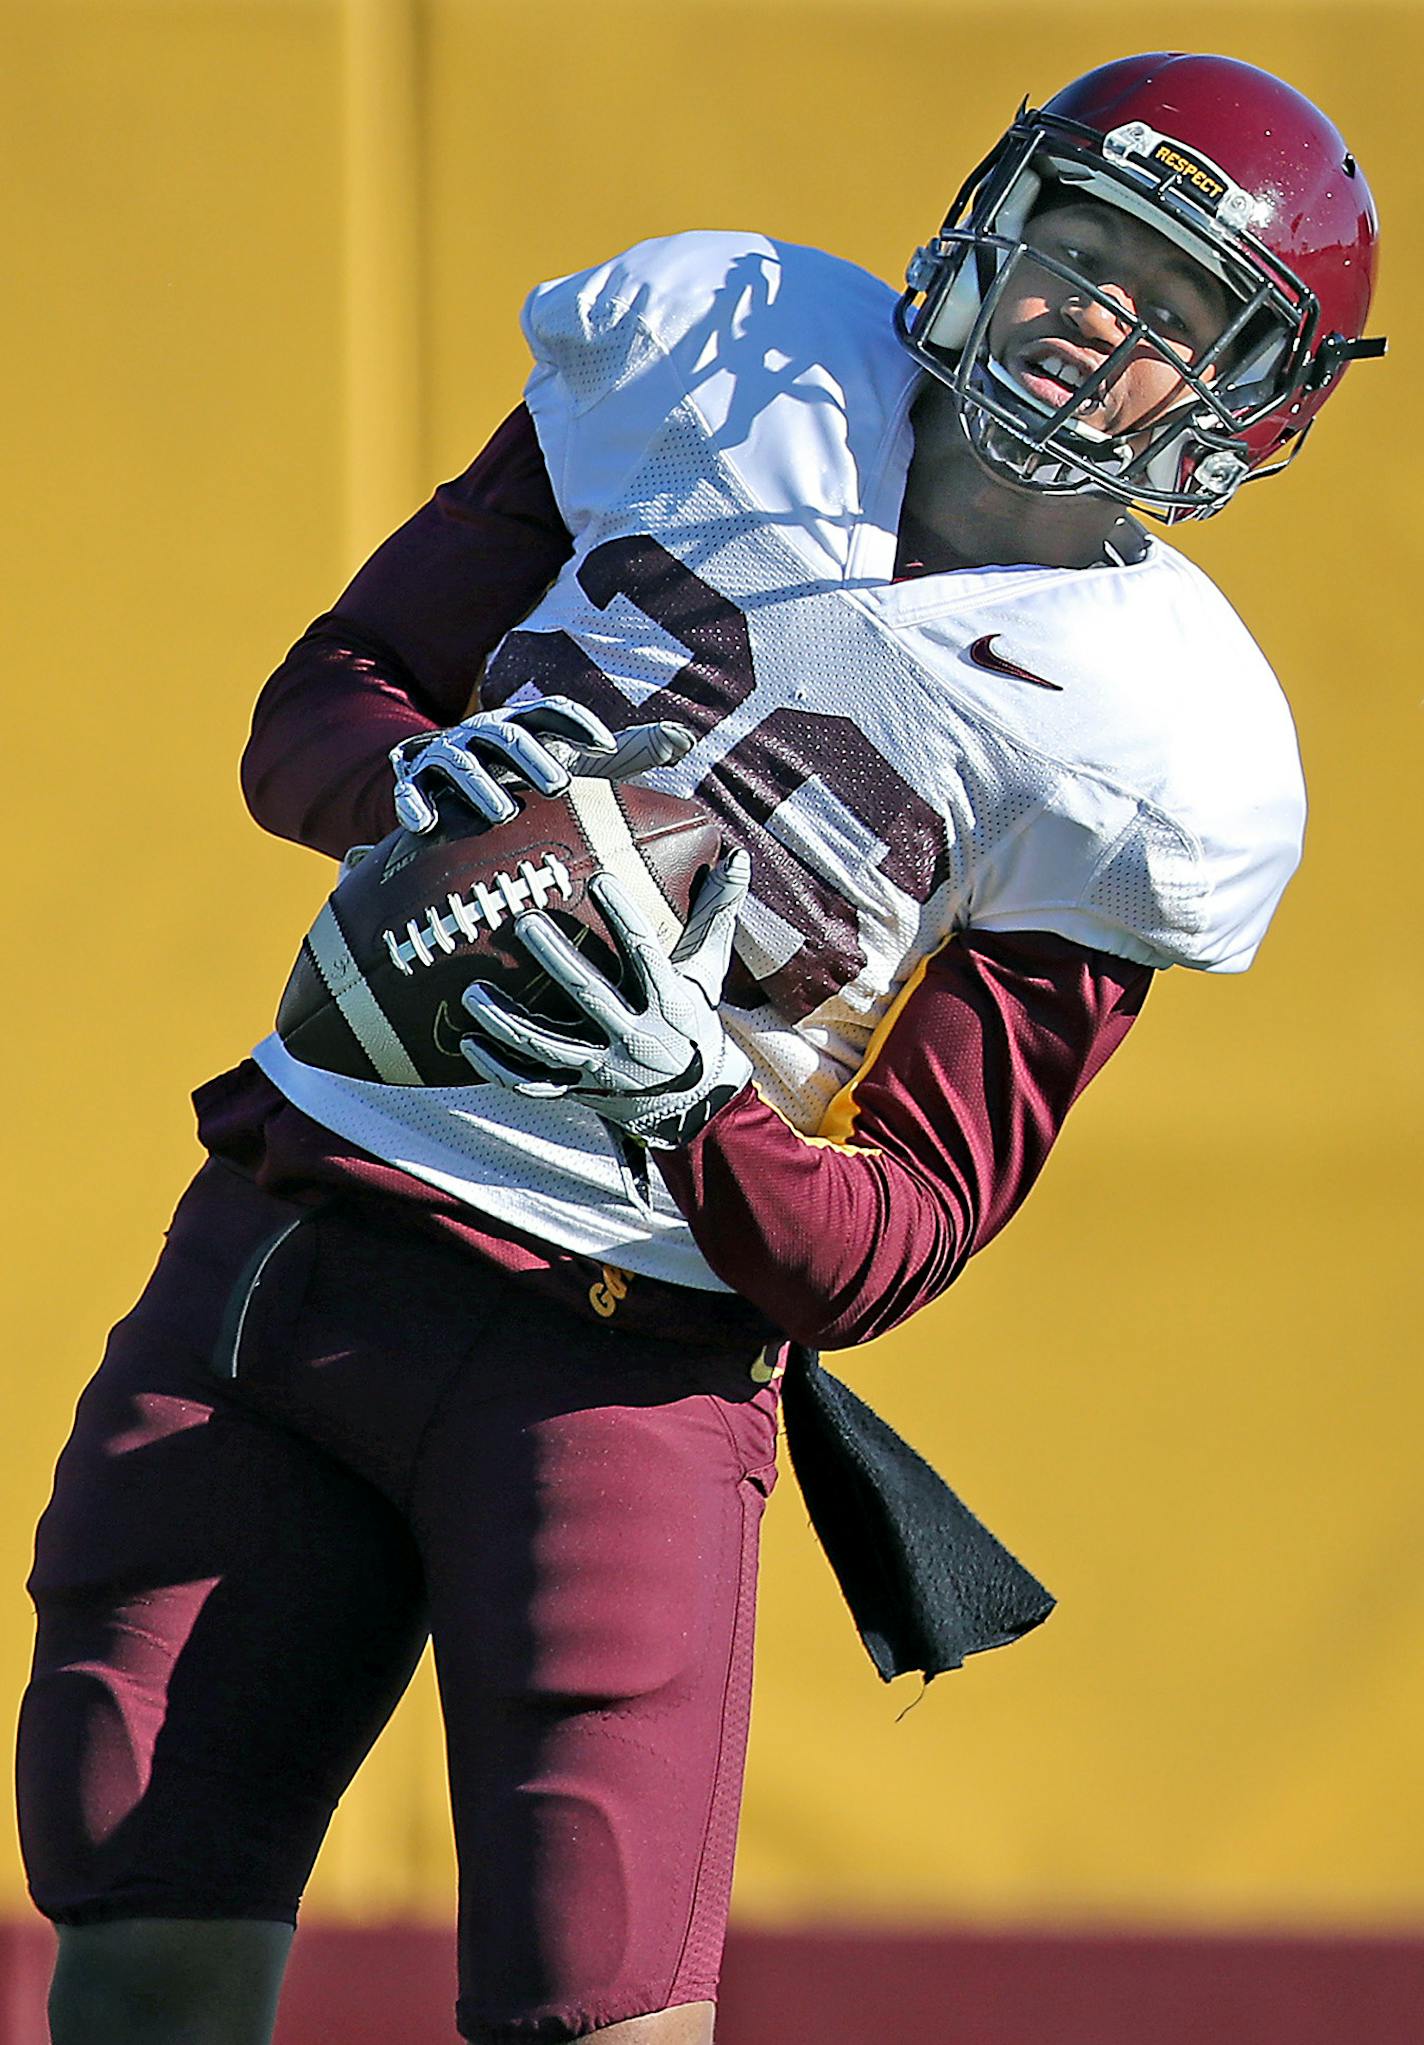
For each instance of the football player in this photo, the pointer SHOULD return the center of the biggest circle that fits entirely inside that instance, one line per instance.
(499, 1361)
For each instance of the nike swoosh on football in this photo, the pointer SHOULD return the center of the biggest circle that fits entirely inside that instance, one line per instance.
(983, 655)
(446, 1031)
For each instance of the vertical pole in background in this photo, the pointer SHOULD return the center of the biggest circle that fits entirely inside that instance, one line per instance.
(384, 395)
(389, 1854)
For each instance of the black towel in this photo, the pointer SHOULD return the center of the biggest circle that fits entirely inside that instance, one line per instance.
(926, 1582)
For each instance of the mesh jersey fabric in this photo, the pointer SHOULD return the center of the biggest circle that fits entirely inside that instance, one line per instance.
(725, 424)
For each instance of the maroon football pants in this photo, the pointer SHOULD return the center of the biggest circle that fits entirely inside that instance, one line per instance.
(274, 1490)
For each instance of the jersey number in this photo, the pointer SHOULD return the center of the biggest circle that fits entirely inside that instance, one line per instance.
(821, 763)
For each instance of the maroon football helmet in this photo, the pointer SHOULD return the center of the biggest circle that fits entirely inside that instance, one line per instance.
(1235, 169)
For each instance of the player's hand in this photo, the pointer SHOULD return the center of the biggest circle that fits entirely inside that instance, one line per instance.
(542, 745)
(656, 1064)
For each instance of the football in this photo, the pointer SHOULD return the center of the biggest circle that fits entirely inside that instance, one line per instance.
(376, 989)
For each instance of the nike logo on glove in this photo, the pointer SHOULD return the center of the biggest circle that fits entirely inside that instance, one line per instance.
(983, 655)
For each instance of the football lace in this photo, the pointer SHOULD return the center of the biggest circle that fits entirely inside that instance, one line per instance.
(488, 904)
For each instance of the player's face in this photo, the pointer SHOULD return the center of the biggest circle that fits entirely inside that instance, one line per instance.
(1050, 336)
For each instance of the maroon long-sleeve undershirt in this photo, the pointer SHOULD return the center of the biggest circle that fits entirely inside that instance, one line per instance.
(954, 1117)
(952, 1122)
(403, 649)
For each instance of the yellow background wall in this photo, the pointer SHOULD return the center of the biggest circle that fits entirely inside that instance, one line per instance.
(264, 261)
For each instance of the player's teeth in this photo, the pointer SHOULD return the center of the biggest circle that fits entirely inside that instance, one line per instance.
(1061, 371)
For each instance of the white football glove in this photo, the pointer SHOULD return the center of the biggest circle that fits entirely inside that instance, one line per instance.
(662, 1064)
(542, 745)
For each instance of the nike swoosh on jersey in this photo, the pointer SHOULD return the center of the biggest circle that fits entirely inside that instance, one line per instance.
(983, 655)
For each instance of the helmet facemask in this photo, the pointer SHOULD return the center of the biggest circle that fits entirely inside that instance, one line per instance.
(1187, 459)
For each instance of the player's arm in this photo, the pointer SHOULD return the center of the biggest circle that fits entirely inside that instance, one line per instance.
(939, 1140)
(402, 651)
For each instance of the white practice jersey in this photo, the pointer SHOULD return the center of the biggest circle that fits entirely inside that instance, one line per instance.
(1103, 753)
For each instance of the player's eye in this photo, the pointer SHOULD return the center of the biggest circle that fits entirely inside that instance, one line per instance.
(1075, 253)
(1188, 328)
